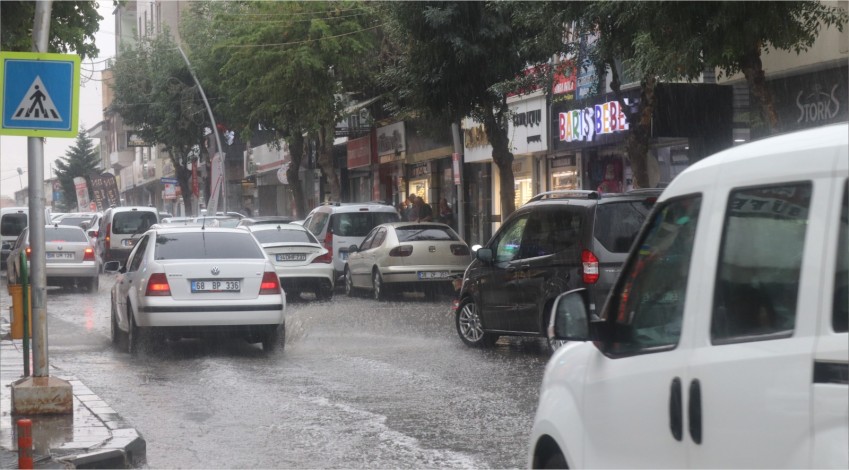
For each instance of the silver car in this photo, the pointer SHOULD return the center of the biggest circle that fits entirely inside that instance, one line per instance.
(406, 255)
(302, 263)
(195, 281)
(69, 256)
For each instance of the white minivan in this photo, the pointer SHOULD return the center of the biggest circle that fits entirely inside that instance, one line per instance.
(724, 340)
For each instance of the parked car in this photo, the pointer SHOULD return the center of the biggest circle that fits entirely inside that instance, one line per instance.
(302, 263)
(558, 241)
(340, 225)
(271, 219)
(85, 220)
(195, 281)
(121, 229)
(13, 220)
(406, 255)
(69, 257)
(724, 342)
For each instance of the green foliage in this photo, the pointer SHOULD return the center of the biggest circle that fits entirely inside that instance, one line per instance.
(72, 26)
(79, 160)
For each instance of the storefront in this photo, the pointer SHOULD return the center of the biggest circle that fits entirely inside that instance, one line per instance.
(362, 160)
(815, 98)
(270, 164)
(391, 154)
(589, 150)
(477, 175)
(428, 159)
(528, 133)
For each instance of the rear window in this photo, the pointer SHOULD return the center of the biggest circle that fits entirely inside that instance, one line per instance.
(64, 234)
(359, 224)
(318, 222)
(75, 221)
(284, 236)
(617, 223)
(414, 233)
(133, 222)
(206, 245)
(13, 224)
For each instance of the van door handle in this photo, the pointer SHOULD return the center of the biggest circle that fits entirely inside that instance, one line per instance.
(694, 411)
(510, 269)
(676, 410)
(525, 267)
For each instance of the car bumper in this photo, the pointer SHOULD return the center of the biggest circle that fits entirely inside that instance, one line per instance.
(313, 273)
(410, 274)
(85, 269)
(168, 313)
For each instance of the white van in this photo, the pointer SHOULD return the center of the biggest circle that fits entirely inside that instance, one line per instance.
(120, 228)
(724, 340)
(13, 221)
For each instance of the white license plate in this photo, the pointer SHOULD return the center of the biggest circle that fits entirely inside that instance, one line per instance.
(129, 242)
(58, 255)
(292, 257)
(433, 274)
(209, 285)
(343, 255)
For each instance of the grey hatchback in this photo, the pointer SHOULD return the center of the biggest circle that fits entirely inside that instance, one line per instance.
(558, 241)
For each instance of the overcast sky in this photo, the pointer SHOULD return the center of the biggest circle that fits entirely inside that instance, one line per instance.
(13, 149)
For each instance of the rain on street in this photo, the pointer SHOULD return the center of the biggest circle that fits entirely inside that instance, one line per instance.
(360, 384)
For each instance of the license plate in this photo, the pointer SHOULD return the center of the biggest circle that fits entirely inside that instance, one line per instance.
(343, 255)
(433, 274)
(58, 255)
(128, 242)
(208, 285)
(292, 257)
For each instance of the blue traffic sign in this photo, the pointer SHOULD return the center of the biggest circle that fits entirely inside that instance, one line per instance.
(40, 94)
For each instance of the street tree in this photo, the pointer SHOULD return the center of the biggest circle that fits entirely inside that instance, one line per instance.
(72, 27)
(81, 160)
(155, 94)
(285, 66)
(458, 59)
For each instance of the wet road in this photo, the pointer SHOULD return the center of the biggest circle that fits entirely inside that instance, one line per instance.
(360, 384)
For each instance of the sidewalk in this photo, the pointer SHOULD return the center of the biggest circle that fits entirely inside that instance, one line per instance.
(95, 436)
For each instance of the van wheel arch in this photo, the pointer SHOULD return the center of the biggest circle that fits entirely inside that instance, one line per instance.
(547, 454)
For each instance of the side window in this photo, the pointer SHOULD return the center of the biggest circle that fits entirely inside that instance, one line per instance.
(551, 231)
(366, 244)
(135, 259)
(840, 311)
(760, 260)
(379, 238)
(318, 222)
(506, 245)
(647, 310)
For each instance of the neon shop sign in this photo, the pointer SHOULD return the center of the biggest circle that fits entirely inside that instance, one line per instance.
(585, 124)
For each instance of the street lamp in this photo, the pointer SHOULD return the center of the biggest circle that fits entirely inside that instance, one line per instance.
(20, 182)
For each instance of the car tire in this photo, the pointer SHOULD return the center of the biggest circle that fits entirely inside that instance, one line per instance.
(554, 461)
(350, 291)
(113, 326)
(378, 287)
(93, 284)
(273, 339)
(324, 292)
(135, 335)
(467, 320)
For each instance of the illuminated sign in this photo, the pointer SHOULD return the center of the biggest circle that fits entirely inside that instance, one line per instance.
(584, 124)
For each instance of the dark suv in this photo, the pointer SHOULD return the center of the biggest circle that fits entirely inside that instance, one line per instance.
(558, 241)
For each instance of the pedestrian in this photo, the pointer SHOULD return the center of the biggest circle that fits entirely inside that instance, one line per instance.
(412, 210)
(424, 213)
(401, 208)
(446, 214)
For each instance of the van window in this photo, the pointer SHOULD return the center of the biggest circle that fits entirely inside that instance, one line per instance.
(359, 224)
(13, 224)
(132, 222)
(507, 242)
(648, 309)
(760, 260)
(618, 223)
(552, 230)
(317, 223)
(840, 312)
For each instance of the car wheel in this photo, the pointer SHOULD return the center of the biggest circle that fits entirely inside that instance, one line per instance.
(554, 461)
(349, 283)
(273, 340)
(94, 284)
(469, 326)
(555, 344)
(134, 333)
(379, 289)
(324, 292)
(113, 324)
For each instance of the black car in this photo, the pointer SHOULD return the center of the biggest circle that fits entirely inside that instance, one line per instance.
(558, 241)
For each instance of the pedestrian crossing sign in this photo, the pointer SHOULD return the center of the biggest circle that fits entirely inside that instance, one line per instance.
(40, 94)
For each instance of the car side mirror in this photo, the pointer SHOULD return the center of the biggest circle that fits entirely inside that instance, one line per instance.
(570, 317)
(484, 254)
(113, 267)
(353, 249)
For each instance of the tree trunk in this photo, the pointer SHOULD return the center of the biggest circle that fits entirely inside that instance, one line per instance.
(184, 179)
(496, 131)
(325, 161)
(639, 126)
(296, 150)
(752, 68)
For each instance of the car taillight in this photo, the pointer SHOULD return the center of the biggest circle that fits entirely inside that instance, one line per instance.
(106, 241)
(270, 284)
(328, 242)
(590, 263)
(29, 251)
(401, 250)
(157, 285)
(88, 255)
(326, 258)
(459, 250)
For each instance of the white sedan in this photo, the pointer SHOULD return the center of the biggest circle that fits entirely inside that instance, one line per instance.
(302, 263)
(195, 281)
(406, 255)
(69, 257)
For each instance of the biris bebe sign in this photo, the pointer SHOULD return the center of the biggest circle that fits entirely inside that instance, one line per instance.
(584, 124)
(39, 94)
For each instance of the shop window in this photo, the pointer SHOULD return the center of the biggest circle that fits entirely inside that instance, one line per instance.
(523, 191)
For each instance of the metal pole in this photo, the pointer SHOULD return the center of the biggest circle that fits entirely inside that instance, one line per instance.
(35, 178)
(24, 280)
(214, 129)
(461, 206)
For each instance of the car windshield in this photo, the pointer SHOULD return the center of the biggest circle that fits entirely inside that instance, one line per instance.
(284, 236)
(206, 244)
(359, 224)
(64, 234)
(414, 233)
(13, 224)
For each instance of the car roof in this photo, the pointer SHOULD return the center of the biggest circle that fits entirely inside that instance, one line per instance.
(195, 228)
(261, 227)
(355, 207)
